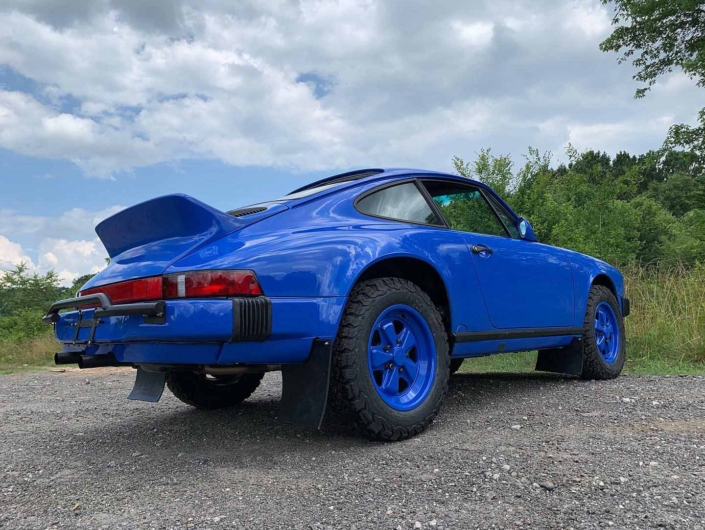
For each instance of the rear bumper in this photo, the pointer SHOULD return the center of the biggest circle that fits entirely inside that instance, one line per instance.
(204, 331)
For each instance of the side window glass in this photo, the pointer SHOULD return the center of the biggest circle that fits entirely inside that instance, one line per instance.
(508, 221)
(465, 209)
(403, 202)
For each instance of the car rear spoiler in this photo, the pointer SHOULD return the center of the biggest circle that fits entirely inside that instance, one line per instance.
(166, 218)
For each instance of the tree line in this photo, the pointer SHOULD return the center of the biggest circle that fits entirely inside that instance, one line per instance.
(25, 297)
(647, 208)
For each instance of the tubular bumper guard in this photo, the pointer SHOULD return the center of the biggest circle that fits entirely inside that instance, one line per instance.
(105, 309)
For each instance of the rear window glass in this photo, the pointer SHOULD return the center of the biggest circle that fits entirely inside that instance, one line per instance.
(403, 202)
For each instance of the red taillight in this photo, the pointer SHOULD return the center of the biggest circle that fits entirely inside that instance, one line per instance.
(194, 284)
(211, 283)
(130, 291)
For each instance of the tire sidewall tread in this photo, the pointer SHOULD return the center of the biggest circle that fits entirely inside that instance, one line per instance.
(353, 394)
(594, 366)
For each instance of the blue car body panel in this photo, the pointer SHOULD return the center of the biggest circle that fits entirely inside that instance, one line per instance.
(308, 253)
(524, 285)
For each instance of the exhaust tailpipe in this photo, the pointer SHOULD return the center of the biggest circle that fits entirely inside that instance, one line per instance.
(97, 361)
(67, 358)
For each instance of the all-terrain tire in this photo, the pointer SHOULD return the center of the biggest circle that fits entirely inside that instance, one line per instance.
(353, 394)
(455, 365)
(594, 366)
(203, 392)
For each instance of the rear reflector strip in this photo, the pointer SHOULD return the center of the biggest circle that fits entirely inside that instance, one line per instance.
(181, 285)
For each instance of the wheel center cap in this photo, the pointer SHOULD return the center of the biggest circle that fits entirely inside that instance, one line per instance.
(399, 356)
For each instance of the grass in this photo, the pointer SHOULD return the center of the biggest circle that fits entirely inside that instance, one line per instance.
(667, 326)
(665, 332)
(524, 362)
(29, 354)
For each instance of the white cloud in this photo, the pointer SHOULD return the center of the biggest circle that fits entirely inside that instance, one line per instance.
(12, 254)
(71, 259)
(589, 18)
(66, 243)
(474, 33)
(127, 84)
(76, 223)
(604, 136)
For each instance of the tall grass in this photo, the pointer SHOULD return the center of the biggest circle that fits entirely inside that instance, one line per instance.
(667, 324)
(38, 351)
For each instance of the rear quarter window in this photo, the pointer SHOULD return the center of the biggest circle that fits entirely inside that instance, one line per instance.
(402, 202)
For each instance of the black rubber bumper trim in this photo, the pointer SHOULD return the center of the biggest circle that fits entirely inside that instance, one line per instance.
(252, 319)
(626, 306)
(533, 333)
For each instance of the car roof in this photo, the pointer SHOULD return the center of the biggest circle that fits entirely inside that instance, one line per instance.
(361, 176)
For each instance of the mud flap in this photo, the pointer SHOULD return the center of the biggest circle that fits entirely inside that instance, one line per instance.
(305, 387)
(149, 386)
(568, 360)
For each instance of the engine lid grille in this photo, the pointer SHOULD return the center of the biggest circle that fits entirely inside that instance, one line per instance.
(242, 212)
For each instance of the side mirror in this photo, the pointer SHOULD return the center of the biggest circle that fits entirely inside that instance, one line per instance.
(525, 230)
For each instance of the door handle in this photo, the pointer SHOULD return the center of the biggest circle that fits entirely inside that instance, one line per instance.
(477, 249)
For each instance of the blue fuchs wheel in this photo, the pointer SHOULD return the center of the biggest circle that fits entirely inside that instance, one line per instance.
(402, 357)
(607, 333)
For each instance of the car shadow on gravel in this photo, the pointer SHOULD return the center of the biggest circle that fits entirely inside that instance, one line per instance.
(498, 385)
(253, 430)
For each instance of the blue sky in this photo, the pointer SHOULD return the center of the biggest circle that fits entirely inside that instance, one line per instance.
(106, 103)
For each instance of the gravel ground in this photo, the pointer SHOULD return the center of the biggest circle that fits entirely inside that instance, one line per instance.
(507, 452)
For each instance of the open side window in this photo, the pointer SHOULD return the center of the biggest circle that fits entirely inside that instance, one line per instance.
(465, 208)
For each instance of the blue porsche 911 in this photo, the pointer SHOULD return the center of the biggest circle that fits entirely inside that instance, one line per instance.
(366, 290)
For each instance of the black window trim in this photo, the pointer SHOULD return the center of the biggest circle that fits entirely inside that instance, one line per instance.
(495, 205)
(421, 190)
(467, 185)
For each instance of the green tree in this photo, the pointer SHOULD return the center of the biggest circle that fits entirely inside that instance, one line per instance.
(659, 36)
(495, 171)
(20, 290)
(78, 283)
(656, 228)
(688, 245)
(649, 208)
(679, 194)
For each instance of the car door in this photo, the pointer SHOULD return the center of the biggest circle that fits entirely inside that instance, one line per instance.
(524, 284)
